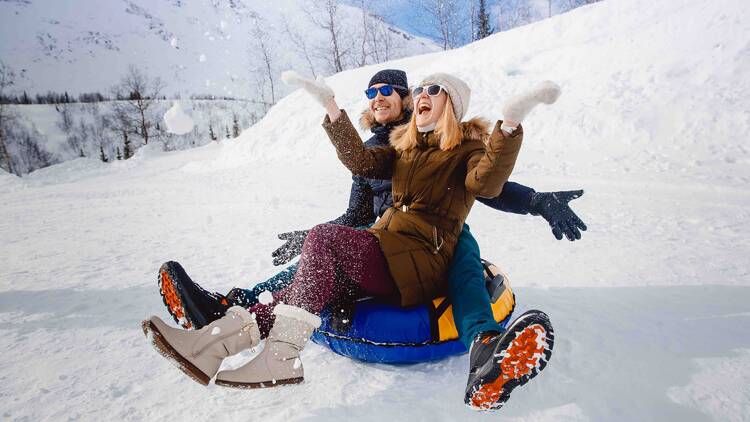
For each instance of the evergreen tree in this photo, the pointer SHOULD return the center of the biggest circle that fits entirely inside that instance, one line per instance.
(127, 149)
(484, 30)
(235, 126)
(102, 155)
(81, 154)
(25, 98)
(211, 132)
(118, 156)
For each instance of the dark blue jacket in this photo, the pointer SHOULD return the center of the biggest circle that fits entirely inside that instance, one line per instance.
(370, 198)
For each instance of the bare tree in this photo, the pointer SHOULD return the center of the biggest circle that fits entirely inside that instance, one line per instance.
(366, 27)
(516, 13)
(387, 43)
(135, 95)
(7, 79)
(336, 52)
(445, 16)
(264, 71)
(300, 45)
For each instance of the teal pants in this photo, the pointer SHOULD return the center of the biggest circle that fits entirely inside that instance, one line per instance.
(472, 310)
(467, 292)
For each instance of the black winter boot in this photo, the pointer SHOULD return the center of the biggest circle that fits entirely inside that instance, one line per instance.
(189, 304)
(500, 362)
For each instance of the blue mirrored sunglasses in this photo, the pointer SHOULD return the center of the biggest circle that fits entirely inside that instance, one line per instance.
(432, 90)
(385, 90)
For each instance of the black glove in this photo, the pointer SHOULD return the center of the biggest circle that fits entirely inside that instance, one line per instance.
(553, 207)
(291, 248)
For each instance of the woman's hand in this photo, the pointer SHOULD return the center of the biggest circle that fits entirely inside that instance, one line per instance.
(317, 88)
(518, 107)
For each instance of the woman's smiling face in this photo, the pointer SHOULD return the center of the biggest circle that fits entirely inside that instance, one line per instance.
(429, 108)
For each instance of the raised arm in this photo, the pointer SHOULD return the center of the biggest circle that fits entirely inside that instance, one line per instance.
(489, 168)
(374, 163)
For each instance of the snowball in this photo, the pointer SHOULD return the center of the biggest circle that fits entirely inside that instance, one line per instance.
(202, 58)
(173, 42)
(177, 121)
(265, 298)
(216, 331)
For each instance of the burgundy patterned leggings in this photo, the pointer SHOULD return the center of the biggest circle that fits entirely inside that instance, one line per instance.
(336, 262)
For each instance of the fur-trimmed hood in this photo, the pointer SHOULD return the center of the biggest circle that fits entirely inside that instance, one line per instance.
(475, 129)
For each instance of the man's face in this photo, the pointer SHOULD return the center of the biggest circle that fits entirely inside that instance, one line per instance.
(385, 109)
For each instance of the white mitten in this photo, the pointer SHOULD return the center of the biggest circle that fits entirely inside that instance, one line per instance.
(518, 107)
(317, 88)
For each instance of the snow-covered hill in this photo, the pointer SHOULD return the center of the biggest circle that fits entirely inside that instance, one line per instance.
(197, 46)
(650, 307)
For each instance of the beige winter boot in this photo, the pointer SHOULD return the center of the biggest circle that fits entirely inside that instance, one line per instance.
(199, 353)
(279, 362)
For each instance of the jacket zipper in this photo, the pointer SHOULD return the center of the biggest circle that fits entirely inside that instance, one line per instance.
(435, 239)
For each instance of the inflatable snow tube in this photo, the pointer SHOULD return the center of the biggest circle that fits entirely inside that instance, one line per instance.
(386, 333)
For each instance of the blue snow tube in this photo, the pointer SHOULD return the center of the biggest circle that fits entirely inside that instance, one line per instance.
(386, 333)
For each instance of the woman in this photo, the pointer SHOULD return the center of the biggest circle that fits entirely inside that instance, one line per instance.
(438, 167)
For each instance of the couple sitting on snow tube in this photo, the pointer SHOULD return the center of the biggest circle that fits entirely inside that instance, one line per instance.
(419, 249)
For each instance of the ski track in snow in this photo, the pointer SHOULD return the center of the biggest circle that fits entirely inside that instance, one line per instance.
(650, 309)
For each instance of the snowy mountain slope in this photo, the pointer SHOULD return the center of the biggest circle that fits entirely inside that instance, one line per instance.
(90, 128)
(202, 46)
(650, 307)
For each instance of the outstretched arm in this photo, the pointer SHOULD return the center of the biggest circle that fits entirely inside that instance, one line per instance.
(552, 206)
(515, 198)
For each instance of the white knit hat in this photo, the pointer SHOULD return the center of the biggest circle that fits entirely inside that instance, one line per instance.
(458, 91)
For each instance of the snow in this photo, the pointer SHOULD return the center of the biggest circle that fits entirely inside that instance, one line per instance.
(178, 122)
(650, 308)
(265, 297)
(720, 388)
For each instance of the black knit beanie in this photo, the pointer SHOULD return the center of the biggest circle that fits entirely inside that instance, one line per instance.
(392, 77)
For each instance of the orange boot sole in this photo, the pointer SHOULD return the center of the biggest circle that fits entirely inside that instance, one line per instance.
(172, 299)
(518, 359)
